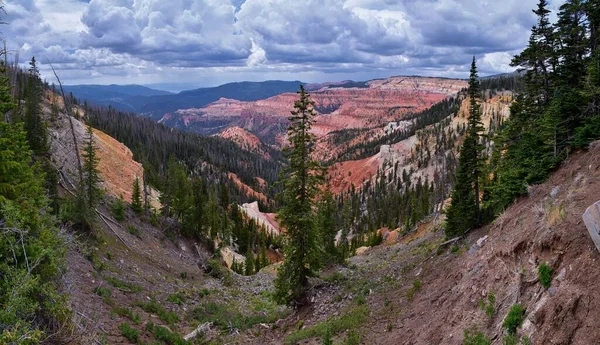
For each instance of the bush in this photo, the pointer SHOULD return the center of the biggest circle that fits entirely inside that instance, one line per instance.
(545, 275)
(165, 335)
(176, 298)
(118, 209)
(514, 319)
(127, 312)
(102, 291)
(353, 338)
(224, 316)
(133, 230)
(347, 321)
(216, 270)
(132, 334)
(154, 308)
(416, 287)
(124, 286)
(490, 306)
(475, 337)
(326, 340)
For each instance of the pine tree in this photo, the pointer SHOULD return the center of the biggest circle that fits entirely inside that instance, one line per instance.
(302, 251)
(249, 262)
(37, 133)
(89, 193)
(136, 197)
(464, 213)
(326, 225)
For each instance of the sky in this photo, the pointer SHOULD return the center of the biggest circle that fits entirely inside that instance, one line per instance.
(194, 43)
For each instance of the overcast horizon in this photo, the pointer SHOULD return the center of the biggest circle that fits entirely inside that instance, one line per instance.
(201, 43)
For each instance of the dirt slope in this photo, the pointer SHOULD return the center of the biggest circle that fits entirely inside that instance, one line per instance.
(544, 227)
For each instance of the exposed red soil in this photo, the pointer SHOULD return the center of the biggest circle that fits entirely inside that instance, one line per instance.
(247, 189)
(381, 102)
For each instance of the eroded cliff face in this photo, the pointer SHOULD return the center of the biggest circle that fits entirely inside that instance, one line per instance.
(117, 167)
(338, 108)
(346, 174)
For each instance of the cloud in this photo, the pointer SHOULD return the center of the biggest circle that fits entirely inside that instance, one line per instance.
(156, 40)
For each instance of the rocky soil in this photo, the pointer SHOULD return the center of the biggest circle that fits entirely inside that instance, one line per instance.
(420, 293)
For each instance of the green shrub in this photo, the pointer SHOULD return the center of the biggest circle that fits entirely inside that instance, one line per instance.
(127, 312)
(118, 209)
(514, 319)
(165, 335)
(347, 321)
(176, 298)
(353, 338)
(153, 307)
(216, 270)
(360, 300)
(203, 293)
(132, 334)
(224, 316)
(490, 306)
(133, 230)
(510, 340)
(326, 340)
(416, 287)
(124, 286)
(335, 277)
(475, 337)
(545, 275)
(102, 291)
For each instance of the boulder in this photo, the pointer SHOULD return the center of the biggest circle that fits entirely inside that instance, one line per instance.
(591, 218)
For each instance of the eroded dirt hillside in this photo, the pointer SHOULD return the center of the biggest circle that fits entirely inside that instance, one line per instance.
(420, 293)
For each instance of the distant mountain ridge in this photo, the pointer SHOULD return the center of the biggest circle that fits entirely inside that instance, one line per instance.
(117, 96)
(156, 103)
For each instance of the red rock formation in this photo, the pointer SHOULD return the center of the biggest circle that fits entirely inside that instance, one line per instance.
(340, 108)
(244, 139)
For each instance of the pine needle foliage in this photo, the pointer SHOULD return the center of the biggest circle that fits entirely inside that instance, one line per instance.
(303, 176)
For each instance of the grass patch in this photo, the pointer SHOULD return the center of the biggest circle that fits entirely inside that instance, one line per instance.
(545, 275)
(133, 230)
(413, 290)
(154, 308)
(204, 292)
(176, 298)
(475, 337)
(225, 317)
(132, 334)
(166, 336)
(353, 338)
(556, 215)
(124, 286)
(102, 291)
(514, 319)
(127, 312)
(489, 306)
(351, 319)
(335, 277)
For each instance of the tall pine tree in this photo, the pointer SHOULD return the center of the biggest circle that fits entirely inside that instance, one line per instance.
(464, 211)
(297, 216)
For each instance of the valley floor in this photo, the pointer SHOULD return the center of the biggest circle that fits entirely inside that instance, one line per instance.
(412, 291)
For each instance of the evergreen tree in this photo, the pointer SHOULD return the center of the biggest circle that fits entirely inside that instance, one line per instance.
(302, 251)
(463, 213)
(31, 306)
(89, 193)
(249, 262)
(37, 133)
(136, 197)
(327, 227)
